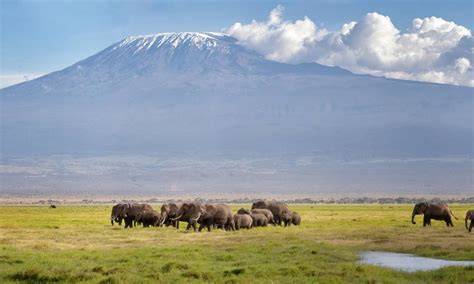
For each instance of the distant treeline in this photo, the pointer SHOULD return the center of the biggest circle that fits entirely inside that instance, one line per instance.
(343, 200)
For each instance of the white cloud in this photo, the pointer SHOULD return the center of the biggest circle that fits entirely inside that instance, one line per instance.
(12, 79)
(433, 49)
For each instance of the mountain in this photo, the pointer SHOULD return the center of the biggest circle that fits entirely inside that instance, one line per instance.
(201, 96)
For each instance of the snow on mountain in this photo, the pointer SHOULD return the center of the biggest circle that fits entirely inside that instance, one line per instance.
(203, 96)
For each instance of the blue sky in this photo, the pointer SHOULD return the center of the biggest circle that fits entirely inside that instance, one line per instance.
(44, 36)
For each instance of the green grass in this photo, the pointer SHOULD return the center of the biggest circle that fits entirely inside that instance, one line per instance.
(78, 244)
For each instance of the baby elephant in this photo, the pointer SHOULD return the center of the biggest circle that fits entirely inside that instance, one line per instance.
(469, 217)
(242, 221)
(259, 220)
(149, 218)
(291, 218)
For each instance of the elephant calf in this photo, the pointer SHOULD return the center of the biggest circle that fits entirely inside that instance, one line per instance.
(469, 216)
(267, 214)
(148, 218)
(259, 220)
(242, 221)
(291, 218)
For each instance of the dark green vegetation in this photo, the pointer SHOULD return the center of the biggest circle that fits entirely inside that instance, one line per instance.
(77, 243)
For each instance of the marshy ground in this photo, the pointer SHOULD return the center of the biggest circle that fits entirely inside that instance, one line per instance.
(77, 243)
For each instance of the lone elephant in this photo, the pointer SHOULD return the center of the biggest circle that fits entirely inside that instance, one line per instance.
(469, 216)
(433, 211)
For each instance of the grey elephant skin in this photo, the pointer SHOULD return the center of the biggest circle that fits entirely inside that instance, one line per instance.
(243, 221)
(168, 212)
(433, 211)
(278, 209)
(469, 217)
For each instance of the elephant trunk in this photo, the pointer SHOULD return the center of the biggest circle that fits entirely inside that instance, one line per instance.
(413, 217)
(465, 223)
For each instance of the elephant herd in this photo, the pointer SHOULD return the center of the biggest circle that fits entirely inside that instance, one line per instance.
(200, 216)
(439, 212)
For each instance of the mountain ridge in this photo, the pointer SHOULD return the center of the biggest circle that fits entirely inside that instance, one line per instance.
(307, 125)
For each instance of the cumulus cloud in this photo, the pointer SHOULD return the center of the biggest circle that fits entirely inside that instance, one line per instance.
(432, 50)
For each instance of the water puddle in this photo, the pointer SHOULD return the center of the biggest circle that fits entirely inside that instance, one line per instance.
(407, 262)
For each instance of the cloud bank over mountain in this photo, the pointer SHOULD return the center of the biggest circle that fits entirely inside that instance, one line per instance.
(432, 50)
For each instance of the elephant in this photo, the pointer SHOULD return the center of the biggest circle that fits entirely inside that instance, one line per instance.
(219, 215)
(433, 211)
(267, 214)
(295, 219)
(243, 211)
(148, 218)
(469, 216)
(117, 214)
(258, 220)
(130, 212)
(287, 219)
(242, 221)
(292, 218)
(190, 212)
(169, 211)
(277, 208)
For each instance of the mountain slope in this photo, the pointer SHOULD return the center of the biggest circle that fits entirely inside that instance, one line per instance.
(202, 95)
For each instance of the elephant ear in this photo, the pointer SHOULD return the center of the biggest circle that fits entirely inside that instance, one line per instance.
(427, 204)
(125, 210)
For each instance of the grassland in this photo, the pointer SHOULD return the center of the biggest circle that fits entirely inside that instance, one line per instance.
(78, 244)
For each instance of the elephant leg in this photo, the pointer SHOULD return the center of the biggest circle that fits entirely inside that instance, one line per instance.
(448, 222)
(426, 221)
(188, 226)
(471, 226)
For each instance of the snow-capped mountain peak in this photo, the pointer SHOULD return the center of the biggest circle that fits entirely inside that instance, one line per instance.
(197, 39)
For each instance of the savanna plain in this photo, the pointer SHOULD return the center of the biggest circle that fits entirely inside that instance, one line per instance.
(77, 243)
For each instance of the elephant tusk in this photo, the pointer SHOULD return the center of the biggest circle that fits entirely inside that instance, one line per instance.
(174, 219)
(199, 215)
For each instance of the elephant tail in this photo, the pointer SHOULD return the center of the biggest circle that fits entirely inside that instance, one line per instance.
(453, 214)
